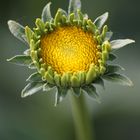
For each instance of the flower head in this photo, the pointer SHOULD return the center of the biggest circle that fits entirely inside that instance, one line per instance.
(70, 52)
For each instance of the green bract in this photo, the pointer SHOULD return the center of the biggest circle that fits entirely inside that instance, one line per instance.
(46, 78)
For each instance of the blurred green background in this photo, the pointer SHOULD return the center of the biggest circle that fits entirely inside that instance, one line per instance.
(35, 118)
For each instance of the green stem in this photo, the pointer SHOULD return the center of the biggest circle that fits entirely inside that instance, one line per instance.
(83, 128)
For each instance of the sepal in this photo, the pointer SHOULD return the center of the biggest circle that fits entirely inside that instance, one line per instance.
(40, 25)
(57, 79)
(49, 78)
(65, 79)
(104, 31)
(91, 26)
(91, 74)
(75, 81)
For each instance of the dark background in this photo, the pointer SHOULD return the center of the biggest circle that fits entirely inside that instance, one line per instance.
(35, 118)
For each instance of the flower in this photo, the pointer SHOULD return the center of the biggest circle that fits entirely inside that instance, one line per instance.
(70, 52)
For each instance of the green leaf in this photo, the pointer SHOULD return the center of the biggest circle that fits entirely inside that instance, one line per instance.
(91, 91)
(118, 78)
(35, 77)
(46, 13)
(108, 35)
(112, 57)
(17, 30)
(100, 21)
(31, 89)
(74, 5)
(21, 60)
(76, 91)
(117, 44)
(100, 82)
(113, 68)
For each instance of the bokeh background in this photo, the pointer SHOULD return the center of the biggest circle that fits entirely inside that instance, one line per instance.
(35, 118)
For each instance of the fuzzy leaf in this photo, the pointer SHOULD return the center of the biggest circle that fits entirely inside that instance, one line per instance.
(113, 68)
(46, 13)
(100, 21)
(85, 16)
(74, 5)
(91, 91)
(27, 52)
(31, 88)
(117, 44)
(118, 78)
(32, 66)
(17, 30)
(60, 95)
(112, 57)
(76, 91)
(100, 82)
(108, 35)
(49, 88)
(63, 12)
(21, 60)
(63, 92)
(35, 77)
(57, 98)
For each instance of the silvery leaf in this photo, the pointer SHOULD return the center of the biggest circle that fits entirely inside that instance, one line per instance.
(46, 13)
(100, 21)
(21, 60)
(117, 44)
(118, 78)
(17, 30)
(31, 89)
(74, 5)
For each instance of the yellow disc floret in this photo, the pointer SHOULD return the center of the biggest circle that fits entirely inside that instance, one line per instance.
(69, 49)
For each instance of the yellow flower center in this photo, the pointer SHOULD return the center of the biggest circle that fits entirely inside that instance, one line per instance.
(69, 49)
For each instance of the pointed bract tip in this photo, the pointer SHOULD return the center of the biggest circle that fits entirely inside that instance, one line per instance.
(9, 21)
(131, 84)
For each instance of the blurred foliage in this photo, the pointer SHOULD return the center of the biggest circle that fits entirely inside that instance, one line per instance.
(35, 118)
